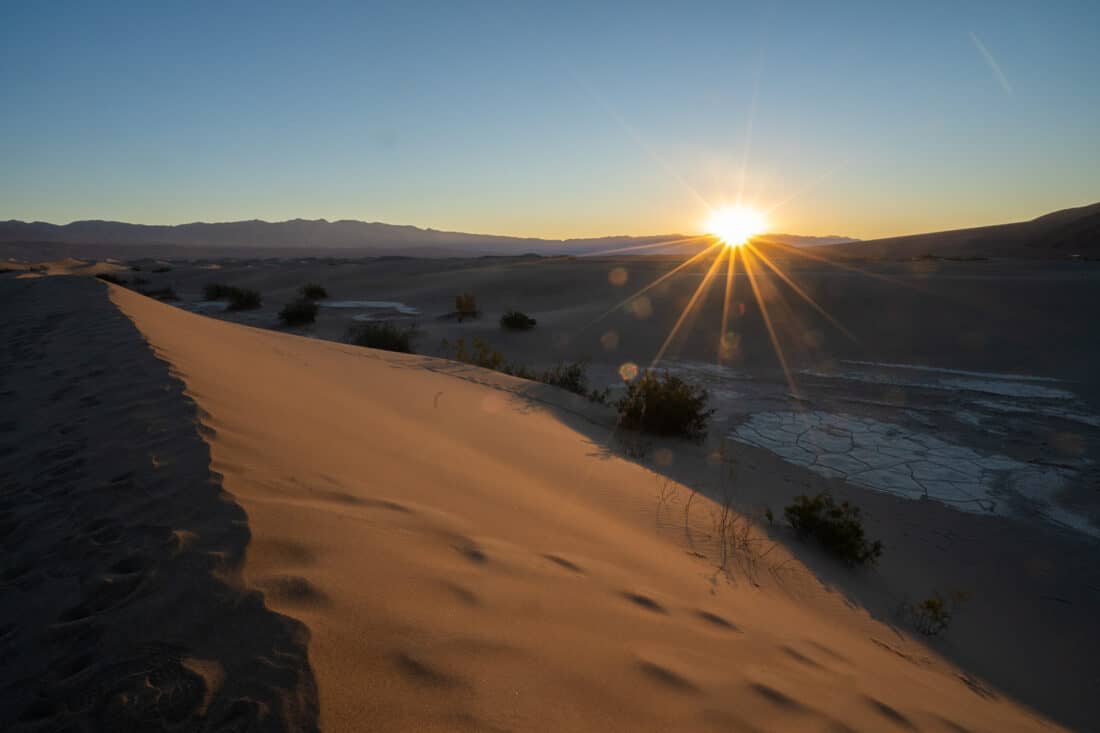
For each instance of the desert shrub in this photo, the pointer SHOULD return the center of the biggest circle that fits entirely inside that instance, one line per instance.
(382, 335)
(933, 615)
(137, 282)
(516, 321)
(479, 354)
(298, 312)
(216, 291)
(239, 298)
(313, 291)
(568, 376)
(162, 269)
(466, 306)
(160, 293)
(665, 405)
(135, 268)
(838, 527)
(573, 377)
(110, 278)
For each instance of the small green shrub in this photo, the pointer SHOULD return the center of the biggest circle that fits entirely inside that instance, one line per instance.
(933, 615)
(135, 268)
(137, 282)
(665, 405)
(216, 291)
(160, 293)
(838, 527)
(242, 300)
(313, 291)
(383, 335)
(298, 312)
(162, 269)
(110, 278)
(573, 377)
(239, 298)
(480, 354)
(466, 306)
(516, 321)
(568, 376)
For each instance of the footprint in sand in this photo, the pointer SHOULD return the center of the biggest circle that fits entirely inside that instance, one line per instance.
(667, 677)
(715, 620)
(562, 562)
(644, 602)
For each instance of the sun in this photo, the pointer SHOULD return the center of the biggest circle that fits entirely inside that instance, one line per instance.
(734, 226)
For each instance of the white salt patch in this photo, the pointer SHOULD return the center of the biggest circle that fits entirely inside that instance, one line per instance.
(207, 305)
(371, 304)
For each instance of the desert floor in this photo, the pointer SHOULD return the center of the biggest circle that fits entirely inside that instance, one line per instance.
(193, 508)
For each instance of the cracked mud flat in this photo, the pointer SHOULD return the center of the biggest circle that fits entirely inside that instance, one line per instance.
(886, 457)
(920, 433)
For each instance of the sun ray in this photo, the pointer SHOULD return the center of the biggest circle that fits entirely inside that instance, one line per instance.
(768, 323)
(802, 293)
(649, 287)
(633, 248)
(803, 252)
(703, 285)
(727, 299)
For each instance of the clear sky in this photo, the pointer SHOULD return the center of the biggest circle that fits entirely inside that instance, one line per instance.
(551, 118)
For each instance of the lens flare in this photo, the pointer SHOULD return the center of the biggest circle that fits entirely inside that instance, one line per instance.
(735, 226)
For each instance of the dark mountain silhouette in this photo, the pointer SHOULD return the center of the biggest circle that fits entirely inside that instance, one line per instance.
(1059, 235)
(297, 237)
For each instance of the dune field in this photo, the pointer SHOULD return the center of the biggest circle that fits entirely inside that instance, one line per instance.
(220, 527)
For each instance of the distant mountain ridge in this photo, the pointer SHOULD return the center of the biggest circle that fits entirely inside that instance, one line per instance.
(301, 237)
(1058, 235)
(305, 236)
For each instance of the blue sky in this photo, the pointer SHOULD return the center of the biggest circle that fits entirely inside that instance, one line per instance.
(551, 119)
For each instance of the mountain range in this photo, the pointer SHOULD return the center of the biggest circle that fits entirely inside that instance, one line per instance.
(1057, 235)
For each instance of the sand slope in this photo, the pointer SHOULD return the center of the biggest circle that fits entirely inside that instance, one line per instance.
(465, 561)
(122, 607)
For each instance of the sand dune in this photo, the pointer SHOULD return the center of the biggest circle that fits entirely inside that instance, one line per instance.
(464, 560)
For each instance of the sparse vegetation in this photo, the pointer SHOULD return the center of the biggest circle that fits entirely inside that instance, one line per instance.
(162, 269)
(665, 405)
(239, 298)
(160, 293)
(135, 268)
(466, 306)
(516, 321)
(570, 376)
(313, 291)
(573, 377)
(384, 335)
(837, 527)
(479, 354)
(933, 615)
(298, 312)
(137, 282)
(111, 278)
(216, 291)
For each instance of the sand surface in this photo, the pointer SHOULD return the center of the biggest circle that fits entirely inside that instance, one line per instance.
(466, 558)
(122, 603)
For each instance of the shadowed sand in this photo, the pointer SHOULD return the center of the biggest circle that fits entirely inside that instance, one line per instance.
(123, 607)
(465, 561)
